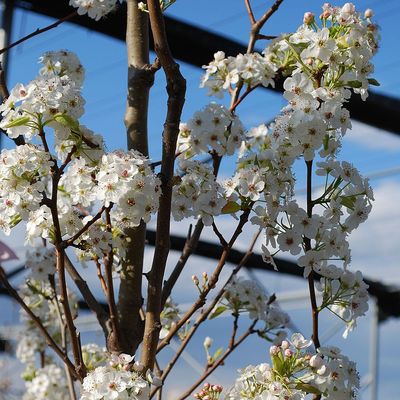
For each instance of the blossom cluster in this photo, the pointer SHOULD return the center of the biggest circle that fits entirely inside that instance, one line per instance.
(246, 296)
(24, 171)
(56, 92)
(213, 129)
(224, 73)
(86, 176)
(39, 295)
(295, 373)
(345, 294)
(95, 9)
(48, 383)
(118, 380)
(209, 392)
(196, 193)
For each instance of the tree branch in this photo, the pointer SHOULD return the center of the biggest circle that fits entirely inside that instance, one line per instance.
(204, 315)
(140, 80)
(87, 295)
(39, 31)
(220, 361)
(176, 88)
(211, 283)
(50, 341)
(114, 343)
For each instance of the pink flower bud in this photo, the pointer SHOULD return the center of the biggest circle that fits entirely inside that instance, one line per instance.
(195, 279)
(288, 353)
(207, 386)
(326, 14)
(308, 18)
(274, 350)
(217, 388)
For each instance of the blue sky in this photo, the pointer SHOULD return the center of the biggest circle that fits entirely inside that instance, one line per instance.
(375, 244)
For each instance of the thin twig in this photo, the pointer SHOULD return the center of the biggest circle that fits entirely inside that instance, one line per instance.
(88, 224)
(250, 12)
(204, 315)
(257, 26)
(221, 238)
(39, 31)
(64, 344)
(87, 295)
(103, 283)
(211, 283)
(114, 342)
(36, 320)
(220, 361)
(307, 246)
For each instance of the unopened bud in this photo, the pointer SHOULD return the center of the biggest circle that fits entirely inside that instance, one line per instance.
(274, 350)
(308, 18)
(195, 279)
(368, 13)
(217, 388)
(326, 14)
(288, 353)
(205, 276)
(285, 344)
(206, 386)
(207, 342)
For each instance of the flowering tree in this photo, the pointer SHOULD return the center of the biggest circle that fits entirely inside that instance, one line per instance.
(72, 194)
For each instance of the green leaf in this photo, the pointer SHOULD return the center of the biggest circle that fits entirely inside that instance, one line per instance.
(373, 82)
(18, 122)
(66, 120)
(306, 387)
(354, 84)
(347, 202)
(230, 207)
(217, 354)
(218, 311)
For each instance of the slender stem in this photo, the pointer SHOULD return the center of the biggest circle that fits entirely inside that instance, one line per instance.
(72, 239)
(211, 283)
(220, 361)
(39, 31)
(64, 344)
(176, 88)
(114, 340)
(204, 315)
(234, 330)
(88, 296)
(307, 246)
(36, 320)
(257, 26)
(250, 12)
(60, 266)
(103, 283)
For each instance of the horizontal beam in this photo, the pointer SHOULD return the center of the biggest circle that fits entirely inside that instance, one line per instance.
(196, 46)
(388, 298)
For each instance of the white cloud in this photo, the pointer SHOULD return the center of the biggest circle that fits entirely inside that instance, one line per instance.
(376, 243)
(372, 138)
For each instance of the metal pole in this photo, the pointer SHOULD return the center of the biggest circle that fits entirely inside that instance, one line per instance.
(374, 349)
